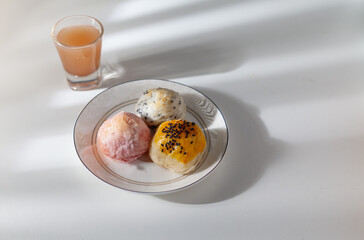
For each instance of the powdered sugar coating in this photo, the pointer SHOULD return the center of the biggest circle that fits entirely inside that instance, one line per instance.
(158, 105)
(124, 137)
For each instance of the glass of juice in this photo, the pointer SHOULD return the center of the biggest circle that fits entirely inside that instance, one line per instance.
(78, 41)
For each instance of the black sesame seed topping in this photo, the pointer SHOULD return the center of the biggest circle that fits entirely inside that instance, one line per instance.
(174, 131)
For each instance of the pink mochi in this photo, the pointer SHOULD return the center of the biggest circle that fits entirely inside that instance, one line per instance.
(124, 137)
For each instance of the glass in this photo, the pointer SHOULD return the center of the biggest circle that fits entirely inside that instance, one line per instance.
(78, 41)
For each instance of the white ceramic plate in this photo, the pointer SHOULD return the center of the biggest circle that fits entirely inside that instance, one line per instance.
(142, 175)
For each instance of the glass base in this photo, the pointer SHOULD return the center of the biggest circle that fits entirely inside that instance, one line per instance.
(79, 83)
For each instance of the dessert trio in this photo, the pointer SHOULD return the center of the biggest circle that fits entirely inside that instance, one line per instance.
(177, 144)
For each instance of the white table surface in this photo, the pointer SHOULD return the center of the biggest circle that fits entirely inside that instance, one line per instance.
(288, 76)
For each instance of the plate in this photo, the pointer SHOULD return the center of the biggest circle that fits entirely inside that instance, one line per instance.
(142, 175)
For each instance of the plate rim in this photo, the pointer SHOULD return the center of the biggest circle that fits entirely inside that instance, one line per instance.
(152, 192)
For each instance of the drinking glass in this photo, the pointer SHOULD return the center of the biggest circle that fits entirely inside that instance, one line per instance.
(78, 41)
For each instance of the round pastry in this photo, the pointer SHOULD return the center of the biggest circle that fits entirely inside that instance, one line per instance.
(124, 137)
(158, 105)
(178, 145)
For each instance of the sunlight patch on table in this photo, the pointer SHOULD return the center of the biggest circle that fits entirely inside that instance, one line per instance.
(46, 153)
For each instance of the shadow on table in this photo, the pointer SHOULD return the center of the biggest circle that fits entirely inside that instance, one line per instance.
(184, 53)
(250, 152)
(214, 48)
(165, 12)
(203, 58)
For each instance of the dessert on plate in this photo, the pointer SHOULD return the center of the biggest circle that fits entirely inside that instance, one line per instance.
(158, 105)
(124, 137)
(178, 145)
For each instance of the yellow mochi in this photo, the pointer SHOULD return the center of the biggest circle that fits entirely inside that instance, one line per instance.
(178, 145)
